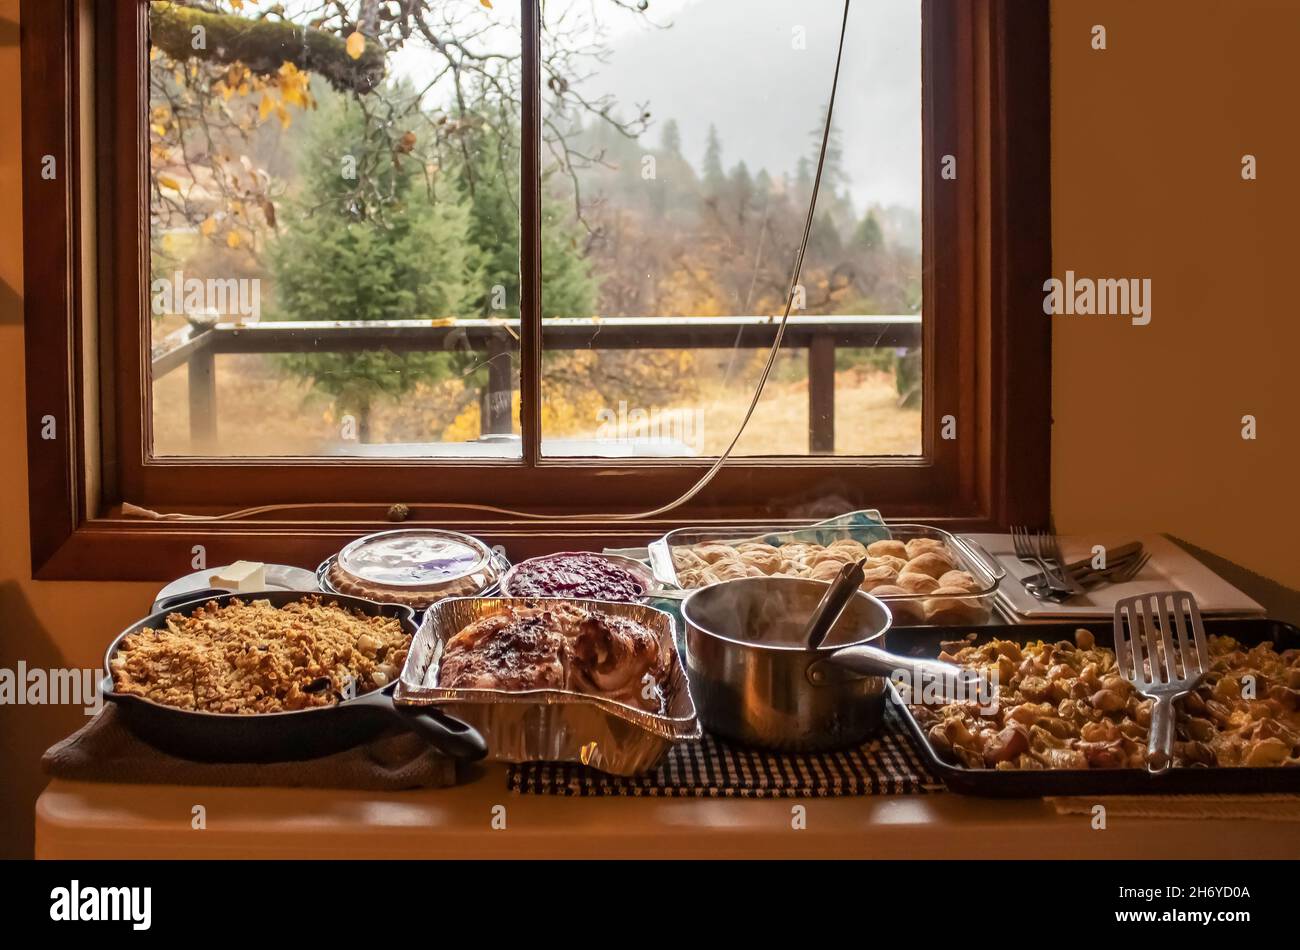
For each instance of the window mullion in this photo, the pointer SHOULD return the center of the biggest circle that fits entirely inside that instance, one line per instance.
(530, 233)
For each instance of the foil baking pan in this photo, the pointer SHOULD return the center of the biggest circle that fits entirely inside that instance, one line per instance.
(552, 725)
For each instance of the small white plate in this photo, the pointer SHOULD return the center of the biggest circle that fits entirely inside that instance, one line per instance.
(278, 577)
(1170, 568)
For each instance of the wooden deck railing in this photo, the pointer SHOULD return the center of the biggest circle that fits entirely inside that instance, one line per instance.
(496, 339)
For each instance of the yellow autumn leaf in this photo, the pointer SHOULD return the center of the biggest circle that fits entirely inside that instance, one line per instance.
(167, 182)
(356, 45)
(208, 226)
(486, 3)
(232, 239)
(264, 107)
(283, 114)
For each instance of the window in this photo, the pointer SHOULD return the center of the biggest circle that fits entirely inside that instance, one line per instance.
(334, 228)
(326, 257)
(687, 194)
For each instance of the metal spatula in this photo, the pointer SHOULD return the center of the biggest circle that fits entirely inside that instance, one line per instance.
(1160, 648)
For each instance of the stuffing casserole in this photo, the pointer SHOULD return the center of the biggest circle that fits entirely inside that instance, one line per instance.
(1065, 705)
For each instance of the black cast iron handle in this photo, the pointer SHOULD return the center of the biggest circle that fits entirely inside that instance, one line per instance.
(447, 734)
(176, 600)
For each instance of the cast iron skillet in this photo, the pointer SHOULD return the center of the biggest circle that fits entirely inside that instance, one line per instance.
(993, 783)
(283, 736)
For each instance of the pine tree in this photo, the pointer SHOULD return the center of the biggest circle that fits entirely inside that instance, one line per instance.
(367, 242)
(868, 236)
(671, 140)
(714, 176)
(741, 185)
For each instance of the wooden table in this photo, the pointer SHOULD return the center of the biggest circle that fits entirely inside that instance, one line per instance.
(83, 820)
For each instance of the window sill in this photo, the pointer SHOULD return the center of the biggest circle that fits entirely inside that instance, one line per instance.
(130, 549)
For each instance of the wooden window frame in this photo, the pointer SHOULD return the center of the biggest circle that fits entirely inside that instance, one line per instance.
(986, 343)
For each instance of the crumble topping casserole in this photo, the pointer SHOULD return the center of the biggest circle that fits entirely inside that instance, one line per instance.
(1065, 705)
(562, 646)
(251, 657)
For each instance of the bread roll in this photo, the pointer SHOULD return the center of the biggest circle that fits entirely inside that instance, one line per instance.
(948, 607)
(764, 557)
(888, 547)
(854, 548)
(826, 570)
(919, 546)
(905, 611)
(915, 582)
(712, 553)
(897, 563)
(931, 562)
(874, 577)
(958, 579)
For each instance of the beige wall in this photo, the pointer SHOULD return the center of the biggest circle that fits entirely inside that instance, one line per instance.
(47, 625)
(1148, 138)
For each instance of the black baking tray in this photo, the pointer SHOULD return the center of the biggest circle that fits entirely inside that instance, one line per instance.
(992, 783)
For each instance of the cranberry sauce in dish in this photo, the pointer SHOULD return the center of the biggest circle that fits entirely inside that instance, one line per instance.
(577, 575)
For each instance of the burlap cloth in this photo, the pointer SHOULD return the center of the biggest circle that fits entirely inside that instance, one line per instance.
(104, 750)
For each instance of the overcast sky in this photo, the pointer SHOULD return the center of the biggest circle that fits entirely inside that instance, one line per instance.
(735, 63)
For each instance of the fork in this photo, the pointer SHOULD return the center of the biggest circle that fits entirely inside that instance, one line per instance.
(1157, 666)
(1049, 550)
(1027, 552)
(1118, 573)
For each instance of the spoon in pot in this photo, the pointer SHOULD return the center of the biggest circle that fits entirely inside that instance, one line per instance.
(833, 602)
(951, 682)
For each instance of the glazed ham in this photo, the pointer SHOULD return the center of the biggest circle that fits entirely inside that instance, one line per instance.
(558, 647)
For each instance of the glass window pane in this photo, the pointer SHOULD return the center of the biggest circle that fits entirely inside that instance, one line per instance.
(334, 194)
(681, 138)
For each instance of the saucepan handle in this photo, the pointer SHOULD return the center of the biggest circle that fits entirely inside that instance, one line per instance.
(871, 661)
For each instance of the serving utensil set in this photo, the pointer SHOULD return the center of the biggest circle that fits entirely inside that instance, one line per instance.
(1057, 581)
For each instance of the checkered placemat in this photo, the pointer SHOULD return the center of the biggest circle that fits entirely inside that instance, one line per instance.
(887, 765)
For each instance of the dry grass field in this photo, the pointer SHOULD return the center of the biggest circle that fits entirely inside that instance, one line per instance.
(262, 411)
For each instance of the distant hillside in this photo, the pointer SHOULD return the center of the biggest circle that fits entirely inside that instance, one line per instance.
(730, 63)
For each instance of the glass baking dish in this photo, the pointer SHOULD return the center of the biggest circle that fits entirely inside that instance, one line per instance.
(974, 606)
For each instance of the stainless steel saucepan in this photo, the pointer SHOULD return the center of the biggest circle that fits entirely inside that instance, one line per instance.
(755, 680)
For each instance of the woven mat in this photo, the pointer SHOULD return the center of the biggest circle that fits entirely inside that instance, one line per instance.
(1262, 807)
(105, 750)
(887, 765)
